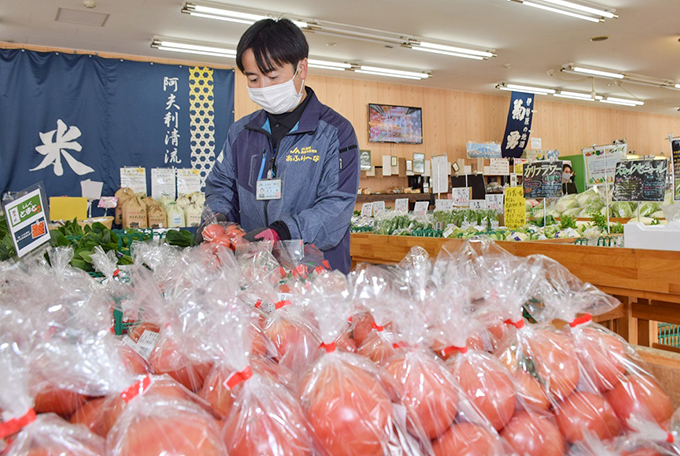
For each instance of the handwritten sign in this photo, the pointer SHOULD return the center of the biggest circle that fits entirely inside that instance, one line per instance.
(543, 179)
(163, 182)
(600, 162)
(27, 221)
(461, 196)
(478, 204)
(675, 148)
(421, 207)
(515, 208)
(401, 205)
(378, 206)
(443, 205)
(494, 201)
(640, 180)
(188, 181)
(499, 167)
(367, 210)
(134, 178)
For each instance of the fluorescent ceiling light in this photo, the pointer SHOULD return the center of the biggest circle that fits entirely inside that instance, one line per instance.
(327, 63)
(455, 50)
(228, 15)
(390, 75)
(575, 96)
(453, 54)
(677, 86)
(166, 45)
(559, 11)
(390, 72)
(590, 71)
(523, 88)
(623, 100)
(616, 101)
(585, 9)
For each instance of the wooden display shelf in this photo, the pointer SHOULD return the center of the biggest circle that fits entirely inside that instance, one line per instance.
(392, 196)
(647, 282)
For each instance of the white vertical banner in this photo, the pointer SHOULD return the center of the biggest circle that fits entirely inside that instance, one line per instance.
(440, 175)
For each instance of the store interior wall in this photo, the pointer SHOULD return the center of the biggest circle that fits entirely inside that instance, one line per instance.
(452, 118)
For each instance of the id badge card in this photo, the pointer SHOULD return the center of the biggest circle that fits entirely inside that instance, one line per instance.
(268, 189)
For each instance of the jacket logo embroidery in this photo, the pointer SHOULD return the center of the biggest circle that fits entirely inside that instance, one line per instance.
(302, 155)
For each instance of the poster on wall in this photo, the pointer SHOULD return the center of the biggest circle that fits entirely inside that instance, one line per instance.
(120, 114)
(640, 180)
(600, 162)
(483, 150)
(365, 160)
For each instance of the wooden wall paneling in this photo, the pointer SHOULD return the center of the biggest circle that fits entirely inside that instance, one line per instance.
(455, 122)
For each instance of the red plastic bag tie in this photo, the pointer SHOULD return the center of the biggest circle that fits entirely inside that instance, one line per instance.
(318, 270)
(280, 304)
(238, 377)
(16, 424)
(326, 264)
(135, 390)
(116, 272)
(301, 269)
(330, 348)
(581, 320)
(350, 318)
(399, 345)
(670, 439)
(519, 324)
(452, 349)
(258, 303)
(282, 272)
(377, 327)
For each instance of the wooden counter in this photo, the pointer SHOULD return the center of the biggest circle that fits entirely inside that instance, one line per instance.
(646, 281)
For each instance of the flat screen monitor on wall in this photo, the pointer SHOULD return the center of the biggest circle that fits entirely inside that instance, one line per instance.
(395, 124)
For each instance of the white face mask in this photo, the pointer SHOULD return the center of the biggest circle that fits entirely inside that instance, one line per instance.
(279, 98)
(566, 176)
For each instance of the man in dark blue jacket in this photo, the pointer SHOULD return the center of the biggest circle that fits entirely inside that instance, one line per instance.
(290, 170)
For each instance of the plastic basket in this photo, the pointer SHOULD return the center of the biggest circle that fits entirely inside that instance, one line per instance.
(669, 334)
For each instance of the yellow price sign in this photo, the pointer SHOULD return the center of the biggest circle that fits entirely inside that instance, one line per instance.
(515, 207)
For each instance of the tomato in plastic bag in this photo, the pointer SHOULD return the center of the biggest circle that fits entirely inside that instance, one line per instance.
(425, 389)
(376, 348)
(466, 439)
(347, 407)
(601, 356)
(532, 434)
(59, 401)
(165, 359)
(362, 326)
(640, 396)
(589, 411)
(487, 385)
(554, 358)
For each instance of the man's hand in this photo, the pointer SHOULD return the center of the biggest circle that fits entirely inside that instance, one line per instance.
(262, 234)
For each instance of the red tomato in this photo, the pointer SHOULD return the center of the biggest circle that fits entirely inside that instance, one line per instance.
(212, 231)
(181, 433)
(133, 362)
(91, 415)
(136, 332)
(530, 392)
(166, 359)
(362, 327)
(487, 385)
(376, 348)
(487, 339)
(601, 356)
(466, 439)
(531, 434)
(554, 358)
(56, 449)
(586, 411)
(422, 385)
(295, 344)
(258, 339)
(348, 409)
(272, 428)
(59, 401)
(346, 343)
(640, 396)
(641, 452)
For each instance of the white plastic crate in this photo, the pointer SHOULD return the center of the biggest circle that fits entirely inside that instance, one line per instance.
(654, 237)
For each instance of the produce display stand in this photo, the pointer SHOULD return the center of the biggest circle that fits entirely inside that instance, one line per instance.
(647, 282)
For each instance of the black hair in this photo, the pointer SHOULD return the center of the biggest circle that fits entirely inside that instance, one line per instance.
(567, 165)
(274, 43)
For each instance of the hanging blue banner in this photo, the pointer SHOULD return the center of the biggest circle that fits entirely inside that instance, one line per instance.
(68, 118)
(518, 128)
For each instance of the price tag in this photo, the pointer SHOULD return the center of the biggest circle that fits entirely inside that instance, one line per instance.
(401, 205)
(478, 204)
(145, 345)
(515, 208)
(188, 181)
(163, 182)
(107, 202)
(449, 230)
(461, 196)
(134, 178)
(494, 201)
(27, 222)
(421, 207)
(378, 206)
(367, 210)
(513, 180)
(443, 205)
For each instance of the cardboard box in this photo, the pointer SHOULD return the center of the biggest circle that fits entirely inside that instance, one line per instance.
(68, 208)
